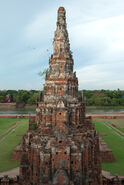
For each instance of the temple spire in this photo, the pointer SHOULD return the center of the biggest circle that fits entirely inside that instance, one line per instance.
(61, 147)
(61, 19)
(61, 46)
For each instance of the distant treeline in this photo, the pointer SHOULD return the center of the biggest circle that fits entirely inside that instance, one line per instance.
(93, 97)
(20, 96)
(104, 97)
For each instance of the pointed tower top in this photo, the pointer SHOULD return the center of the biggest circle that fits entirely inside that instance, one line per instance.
(61, 20)
(61, 9)
(61, 44)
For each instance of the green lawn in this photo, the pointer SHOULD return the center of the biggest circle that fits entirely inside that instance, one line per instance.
(5, 123)
(116, 143)
(121, 129)
(10, 141)
(119, 123)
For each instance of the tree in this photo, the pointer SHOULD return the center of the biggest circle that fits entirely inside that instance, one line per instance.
(22, 96)
(1, 99)
(33, 98)
(121, 101)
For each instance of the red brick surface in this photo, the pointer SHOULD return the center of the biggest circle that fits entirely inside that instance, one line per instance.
(64, 147)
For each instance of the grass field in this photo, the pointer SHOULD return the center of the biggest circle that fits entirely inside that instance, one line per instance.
(119, 123)
(5, 123)
(116, 143)
(10, 140)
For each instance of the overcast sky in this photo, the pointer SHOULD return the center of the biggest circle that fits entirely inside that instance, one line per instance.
(96, 33)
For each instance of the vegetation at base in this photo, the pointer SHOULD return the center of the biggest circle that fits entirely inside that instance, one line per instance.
(34, 126)
(116, 144)
(9, 142)
(93, 97)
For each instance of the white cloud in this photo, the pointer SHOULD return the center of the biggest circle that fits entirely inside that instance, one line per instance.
(103, 36)
(103, 40)
(106, 30)
(101, 76)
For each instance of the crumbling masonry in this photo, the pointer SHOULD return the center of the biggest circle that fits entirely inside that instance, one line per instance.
(64, 148)
(61, 146)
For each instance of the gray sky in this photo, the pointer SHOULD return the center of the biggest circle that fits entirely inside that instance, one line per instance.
(96, 32)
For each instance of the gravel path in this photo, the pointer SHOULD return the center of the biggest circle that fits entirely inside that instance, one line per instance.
(10, 173)
(9, 130)
(12, 126)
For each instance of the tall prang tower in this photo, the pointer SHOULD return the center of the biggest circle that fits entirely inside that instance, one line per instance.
(61, 146)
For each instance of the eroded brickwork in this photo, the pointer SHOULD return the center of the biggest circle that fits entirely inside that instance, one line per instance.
(5, 180)
(17, 153)
(105, 152)
(61, 146)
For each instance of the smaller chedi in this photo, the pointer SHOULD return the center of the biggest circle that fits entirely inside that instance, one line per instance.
(61, 146)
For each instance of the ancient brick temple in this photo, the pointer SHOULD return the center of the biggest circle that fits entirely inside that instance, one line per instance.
(61, 146)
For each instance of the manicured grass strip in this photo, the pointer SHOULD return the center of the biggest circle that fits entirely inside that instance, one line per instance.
(114, 129)
(119, 123)
(8, 144)
(10, 129)
(116, 143)
(121, 129)
(6, 123)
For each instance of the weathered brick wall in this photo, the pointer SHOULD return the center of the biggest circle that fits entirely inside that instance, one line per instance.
(107, 156)
(9, 181)
(17, 153)
(7, 105)
(105, 151)
(115, 180)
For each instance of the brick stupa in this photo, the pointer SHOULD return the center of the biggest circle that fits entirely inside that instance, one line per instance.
(61, 146)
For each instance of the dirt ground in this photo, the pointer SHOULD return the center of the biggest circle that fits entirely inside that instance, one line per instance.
(10, 173)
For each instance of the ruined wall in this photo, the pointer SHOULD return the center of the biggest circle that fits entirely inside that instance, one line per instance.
(105, 152)
(115, 180)
(7, 106)
(9, 181)
(107, 156)
(17, 153)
